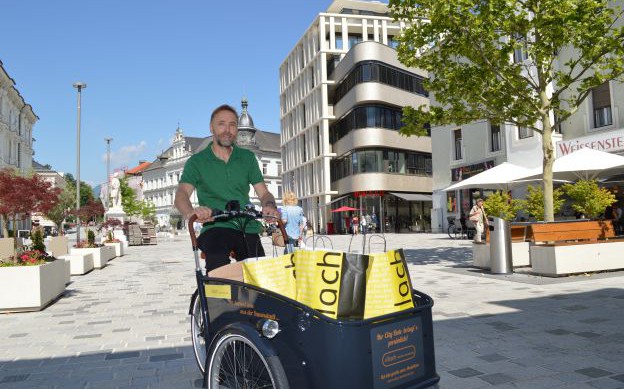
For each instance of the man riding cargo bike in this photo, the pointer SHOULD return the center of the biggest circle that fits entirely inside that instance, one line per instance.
(247, 334)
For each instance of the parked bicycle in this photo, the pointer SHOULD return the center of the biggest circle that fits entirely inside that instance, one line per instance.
(459, 230)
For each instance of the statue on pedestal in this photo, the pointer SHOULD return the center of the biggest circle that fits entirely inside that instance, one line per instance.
(115, 193)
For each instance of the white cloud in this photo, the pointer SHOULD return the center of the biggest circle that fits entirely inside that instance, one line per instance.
(126, 156)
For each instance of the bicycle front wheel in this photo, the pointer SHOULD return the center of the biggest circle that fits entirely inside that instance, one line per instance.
(235, 362)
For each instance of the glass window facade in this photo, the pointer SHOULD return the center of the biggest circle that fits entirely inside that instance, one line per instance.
(372, 71)
(381, 160)
(367, 116)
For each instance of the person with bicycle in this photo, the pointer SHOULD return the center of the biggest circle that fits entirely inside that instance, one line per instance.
(479, 219)
(220, 173)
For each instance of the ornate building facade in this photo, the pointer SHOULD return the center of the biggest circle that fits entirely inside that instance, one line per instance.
(161, 178)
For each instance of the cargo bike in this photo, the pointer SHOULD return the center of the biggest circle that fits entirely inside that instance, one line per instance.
(247, 337)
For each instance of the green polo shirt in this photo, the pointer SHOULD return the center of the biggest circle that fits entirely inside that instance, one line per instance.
(217, 182)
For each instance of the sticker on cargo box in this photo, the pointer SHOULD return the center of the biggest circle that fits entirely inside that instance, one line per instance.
(218, 291)
(397, 352)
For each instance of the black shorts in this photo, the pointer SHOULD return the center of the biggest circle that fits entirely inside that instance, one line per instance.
(217, 243)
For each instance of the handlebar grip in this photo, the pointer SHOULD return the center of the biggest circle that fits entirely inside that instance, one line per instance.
(191, 229)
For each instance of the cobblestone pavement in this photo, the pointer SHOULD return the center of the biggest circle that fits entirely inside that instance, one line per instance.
(126, 326)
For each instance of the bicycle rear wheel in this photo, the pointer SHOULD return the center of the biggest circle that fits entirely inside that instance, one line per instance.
(452, 231)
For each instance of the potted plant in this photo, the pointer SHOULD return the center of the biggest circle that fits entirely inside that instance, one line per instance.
(500, 204)
(533, 205)
(101, 254)
(29, 278)
(588, 199)
(111, 241)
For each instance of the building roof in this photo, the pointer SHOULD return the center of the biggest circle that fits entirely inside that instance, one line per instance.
(39, 168)
(245, 120)
(138, 169)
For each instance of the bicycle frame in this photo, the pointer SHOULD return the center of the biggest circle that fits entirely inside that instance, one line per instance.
(201, 278)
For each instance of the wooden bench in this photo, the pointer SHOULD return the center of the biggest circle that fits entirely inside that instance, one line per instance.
(563, 248)
(570, 232)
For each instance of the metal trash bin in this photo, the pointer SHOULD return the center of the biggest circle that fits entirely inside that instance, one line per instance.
(500, 246)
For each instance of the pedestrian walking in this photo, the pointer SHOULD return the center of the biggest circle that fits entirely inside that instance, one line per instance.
(479, 219)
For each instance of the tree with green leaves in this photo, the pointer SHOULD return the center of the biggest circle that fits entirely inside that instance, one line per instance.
(565, 48)
(86, 191)
(148, 211)
(129, 202)
(67, 201)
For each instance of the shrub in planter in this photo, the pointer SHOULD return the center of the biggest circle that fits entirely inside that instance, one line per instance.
(500, 204)
(37, 240)
(589, 199)
(91, 237)
(28, 258)
(534, 202)
(110, 238)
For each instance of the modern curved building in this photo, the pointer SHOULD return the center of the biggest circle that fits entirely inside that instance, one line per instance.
(342, 90)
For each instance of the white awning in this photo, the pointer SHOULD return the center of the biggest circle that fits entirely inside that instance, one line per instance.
(412, 196)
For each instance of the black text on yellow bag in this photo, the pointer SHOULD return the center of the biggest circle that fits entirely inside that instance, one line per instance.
(388, 285)
(333, 283)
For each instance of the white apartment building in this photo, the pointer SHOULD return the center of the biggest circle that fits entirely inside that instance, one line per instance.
(463, 151)
(342, 90)
(56, 180)
(17, 119)
(161, 178)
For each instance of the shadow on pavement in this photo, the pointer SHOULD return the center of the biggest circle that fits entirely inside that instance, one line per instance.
(572, 340)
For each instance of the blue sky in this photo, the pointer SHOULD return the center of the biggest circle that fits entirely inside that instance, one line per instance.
(148, 65)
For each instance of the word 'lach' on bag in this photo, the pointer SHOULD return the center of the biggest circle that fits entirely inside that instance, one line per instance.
(388, 285)
(333, 283)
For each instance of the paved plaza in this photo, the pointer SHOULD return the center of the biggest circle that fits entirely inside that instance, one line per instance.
(126, 326)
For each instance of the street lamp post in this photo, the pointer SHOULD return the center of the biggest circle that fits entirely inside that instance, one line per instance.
(108, 140)
(79, 86)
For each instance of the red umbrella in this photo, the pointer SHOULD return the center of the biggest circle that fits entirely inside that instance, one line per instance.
(344, 209)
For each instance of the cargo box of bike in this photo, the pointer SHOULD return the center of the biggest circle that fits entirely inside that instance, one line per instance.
(312, 319)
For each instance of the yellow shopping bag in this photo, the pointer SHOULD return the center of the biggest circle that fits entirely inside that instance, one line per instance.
(388, 285)
(274, 274)
(331, 282)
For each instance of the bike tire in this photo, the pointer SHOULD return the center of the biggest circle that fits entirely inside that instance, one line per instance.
(234, 358)
(197, 334)
(451, 231)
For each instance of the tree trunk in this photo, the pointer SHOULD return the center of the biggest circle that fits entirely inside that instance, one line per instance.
(4, 221)
(547, 177)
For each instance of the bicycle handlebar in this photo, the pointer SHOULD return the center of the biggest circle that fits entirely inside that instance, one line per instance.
(218, 214)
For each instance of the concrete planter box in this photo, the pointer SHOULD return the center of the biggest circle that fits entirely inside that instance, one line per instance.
(31, 288)
(561, 260)
(519, 253)
(57, 246)
(101, 255)
(481, 255)
(119, 249)
(7, 247)
(79, 264)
